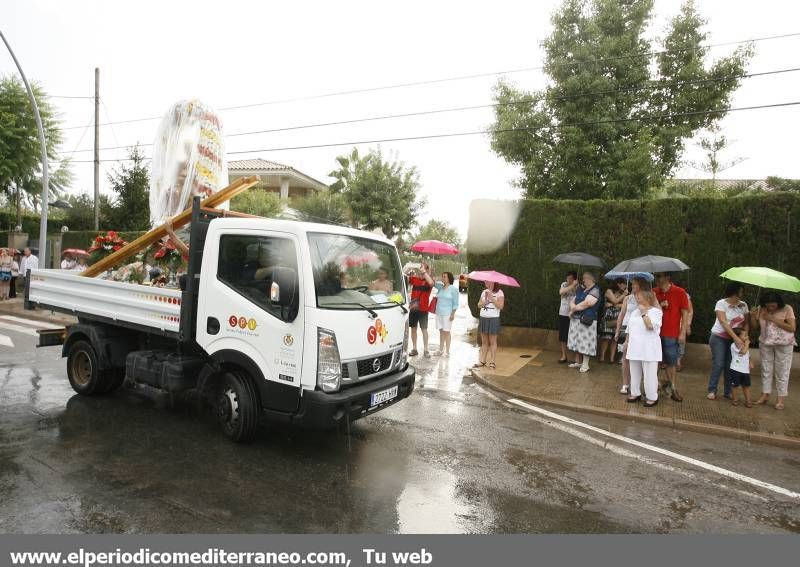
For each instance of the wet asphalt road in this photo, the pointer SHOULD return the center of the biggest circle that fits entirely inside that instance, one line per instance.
(452, 458)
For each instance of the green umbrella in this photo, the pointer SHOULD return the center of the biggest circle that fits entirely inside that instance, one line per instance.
(763, 277)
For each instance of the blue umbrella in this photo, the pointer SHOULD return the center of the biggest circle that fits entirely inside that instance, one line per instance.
(627, 276)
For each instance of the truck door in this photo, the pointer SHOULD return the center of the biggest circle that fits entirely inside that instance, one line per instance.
(238, 316)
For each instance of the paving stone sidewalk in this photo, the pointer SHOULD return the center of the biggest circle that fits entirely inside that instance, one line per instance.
(536, 376)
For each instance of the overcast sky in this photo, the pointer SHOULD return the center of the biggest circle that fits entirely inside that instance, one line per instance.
(152, 54)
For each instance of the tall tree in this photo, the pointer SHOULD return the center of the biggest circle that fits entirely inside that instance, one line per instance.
(20, 153)
(436, 229)
(131, 184)
(611, 124)
(714, 145)
(380, 193)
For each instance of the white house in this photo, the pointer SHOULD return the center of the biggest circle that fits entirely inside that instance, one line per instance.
(276, 178)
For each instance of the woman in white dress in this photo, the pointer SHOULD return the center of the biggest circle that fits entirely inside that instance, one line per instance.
(644, 348)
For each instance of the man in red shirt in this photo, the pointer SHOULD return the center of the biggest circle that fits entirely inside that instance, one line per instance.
(675, 322)
(421, 283)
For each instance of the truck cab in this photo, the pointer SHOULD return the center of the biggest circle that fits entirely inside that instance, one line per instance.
(287, 321)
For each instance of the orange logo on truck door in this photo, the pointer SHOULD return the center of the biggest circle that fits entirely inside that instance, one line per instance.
(375, 331)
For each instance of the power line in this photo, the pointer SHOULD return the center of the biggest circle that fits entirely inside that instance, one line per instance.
(504, 130)
(650, 85)
(466, 77)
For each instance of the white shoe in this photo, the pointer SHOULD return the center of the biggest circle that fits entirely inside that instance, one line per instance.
(623, 390)
(574, 365)
(583, 369)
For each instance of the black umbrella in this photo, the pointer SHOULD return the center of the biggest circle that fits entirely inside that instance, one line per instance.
(651, 264)
(580, 259)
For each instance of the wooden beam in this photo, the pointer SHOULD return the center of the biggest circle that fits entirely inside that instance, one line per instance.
(213, 201)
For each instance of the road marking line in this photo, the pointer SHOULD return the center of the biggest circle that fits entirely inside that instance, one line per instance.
(5, 340)
(29, 322)
(689, 460)
(18, 329)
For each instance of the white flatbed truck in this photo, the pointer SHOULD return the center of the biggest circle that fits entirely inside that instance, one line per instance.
(286, 321)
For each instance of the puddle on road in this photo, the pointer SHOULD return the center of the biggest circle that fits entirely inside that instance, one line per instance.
(431, 506)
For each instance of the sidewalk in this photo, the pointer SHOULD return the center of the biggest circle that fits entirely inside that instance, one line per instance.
(538, 378)
(16, 308)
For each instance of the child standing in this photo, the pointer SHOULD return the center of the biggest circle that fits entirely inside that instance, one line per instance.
(740, 369)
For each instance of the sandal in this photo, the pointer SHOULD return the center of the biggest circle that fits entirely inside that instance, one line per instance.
(734, 402)
(675, 396)
(779, 406)
(479, 365)
(492, 365)
(562, 360)
(748, 404)
(650, 404)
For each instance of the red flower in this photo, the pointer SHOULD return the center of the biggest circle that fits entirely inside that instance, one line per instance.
(111, 234)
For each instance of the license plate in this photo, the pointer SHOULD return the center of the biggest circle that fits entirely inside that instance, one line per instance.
(384, 396)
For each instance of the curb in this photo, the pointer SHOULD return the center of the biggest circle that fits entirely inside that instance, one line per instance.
(37, 315)
(731, 432)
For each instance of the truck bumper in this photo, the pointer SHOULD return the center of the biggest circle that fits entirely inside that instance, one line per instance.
(320, 410)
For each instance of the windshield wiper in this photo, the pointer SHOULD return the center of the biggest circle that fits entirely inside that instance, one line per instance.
(364, 307)
(392, 303)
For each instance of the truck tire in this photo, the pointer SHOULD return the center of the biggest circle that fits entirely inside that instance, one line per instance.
(237, 407)
(82, 369)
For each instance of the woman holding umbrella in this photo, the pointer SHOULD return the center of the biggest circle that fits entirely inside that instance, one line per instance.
(490, 304)
(583, 325)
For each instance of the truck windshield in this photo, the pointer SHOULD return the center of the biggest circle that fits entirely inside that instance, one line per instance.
(353, 273)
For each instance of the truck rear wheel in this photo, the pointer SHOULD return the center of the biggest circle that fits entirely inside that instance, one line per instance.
(84, 373)
(237, 407)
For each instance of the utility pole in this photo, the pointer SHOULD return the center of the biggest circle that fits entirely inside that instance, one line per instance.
(97, 148)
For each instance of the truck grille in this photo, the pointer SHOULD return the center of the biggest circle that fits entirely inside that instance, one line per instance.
(362, 368)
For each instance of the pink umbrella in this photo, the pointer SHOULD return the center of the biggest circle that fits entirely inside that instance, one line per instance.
(434, 247)
(492, 276)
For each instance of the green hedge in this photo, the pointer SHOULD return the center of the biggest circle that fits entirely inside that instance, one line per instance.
(30, 224)
(710, 235)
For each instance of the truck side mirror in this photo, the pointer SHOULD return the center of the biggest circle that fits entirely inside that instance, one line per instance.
(283, 291)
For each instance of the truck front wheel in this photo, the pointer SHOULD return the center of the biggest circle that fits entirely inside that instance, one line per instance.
(82, 369)
(237, 407)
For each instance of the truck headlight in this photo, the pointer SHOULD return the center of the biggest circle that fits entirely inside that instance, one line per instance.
(329, 365)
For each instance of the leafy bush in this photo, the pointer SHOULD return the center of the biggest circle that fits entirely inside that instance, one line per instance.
(258, 202)
(710, 235)
(324, 207)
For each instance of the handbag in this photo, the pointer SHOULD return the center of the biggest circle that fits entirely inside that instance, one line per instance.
(432, 305)
(5, 275)
(587, 319)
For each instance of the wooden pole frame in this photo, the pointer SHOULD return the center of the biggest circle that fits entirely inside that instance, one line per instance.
(218, 198)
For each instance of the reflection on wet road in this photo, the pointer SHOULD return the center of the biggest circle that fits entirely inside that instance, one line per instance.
(448, 459)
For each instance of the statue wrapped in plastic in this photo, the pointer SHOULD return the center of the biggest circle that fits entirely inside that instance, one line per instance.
(188, 159)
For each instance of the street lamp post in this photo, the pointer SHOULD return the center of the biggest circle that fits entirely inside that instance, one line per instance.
(45, 180)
